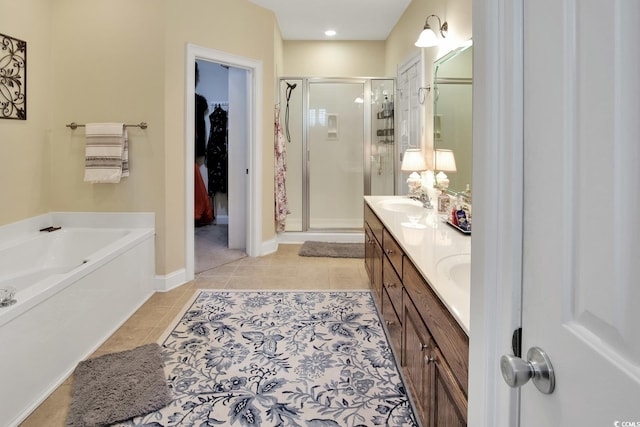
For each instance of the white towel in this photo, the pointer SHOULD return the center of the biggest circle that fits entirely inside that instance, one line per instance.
(106, 154)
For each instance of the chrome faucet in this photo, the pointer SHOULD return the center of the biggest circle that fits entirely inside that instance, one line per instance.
(426, 201)
(422, 196)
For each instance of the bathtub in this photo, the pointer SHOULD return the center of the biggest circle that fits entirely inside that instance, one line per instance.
(74, 288)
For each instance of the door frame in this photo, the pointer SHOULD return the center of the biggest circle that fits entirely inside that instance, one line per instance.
(254, 149)
(496, 270)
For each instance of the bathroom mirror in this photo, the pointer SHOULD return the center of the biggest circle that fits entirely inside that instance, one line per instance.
(452, 109)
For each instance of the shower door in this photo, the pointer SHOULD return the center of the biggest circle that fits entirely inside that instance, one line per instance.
(335, 162)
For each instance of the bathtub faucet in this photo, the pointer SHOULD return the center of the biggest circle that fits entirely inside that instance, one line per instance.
(50, 229)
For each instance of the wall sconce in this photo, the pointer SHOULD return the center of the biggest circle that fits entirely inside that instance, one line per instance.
(427, 37)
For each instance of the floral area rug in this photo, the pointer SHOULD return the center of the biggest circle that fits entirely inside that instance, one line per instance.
(313, 359)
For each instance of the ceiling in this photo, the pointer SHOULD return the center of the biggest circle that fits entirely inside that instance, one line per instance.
(351, 19)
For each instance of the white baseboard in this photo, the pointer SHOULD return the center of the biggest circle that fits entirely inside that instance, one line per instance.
(170, 281)
(221, 219)
(301, 237)
(269, 247)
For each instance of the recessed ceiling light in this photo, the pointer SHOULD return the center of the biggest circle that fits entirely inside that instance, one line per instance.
(330, 33)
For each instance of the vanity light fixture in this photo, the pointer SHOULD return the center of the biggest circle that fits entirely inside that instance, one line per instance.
(428, 37)
(413, 161)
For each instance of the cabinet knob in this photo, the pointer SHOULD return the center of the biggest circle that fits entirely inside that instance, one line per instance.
(424, 347)
(388, 323)
(388, 251)
(390, 285)
(429, 359)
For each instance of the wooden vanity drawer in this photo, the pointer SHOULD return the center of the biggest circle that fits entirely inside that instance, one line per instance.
(392, 320)
(391, 248)
(448, 335)
(374, 223)
(392, 284)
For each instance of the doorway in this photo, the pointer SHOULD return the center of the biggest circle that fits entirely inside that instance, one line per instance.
(245, 168)
(220, 140)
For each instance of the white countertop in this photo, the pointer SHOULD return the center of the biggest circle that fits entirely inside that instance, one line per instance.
(436, 249)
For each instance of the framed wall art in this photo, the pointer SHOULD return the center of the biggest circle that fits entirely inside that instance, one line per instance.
(13, 78)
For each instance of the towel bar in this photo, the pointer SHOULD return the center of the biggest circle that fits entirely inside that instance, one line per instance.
(141, 125)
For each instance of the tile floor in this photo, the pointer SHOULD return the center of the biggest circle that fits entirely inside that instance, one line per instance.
(281, 270)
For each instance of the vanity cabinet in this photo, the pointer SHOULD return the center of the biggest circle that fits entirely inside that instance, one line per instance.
(450, 338)
(449, 407)
(436, 353)
(417, 345)
(373, 253)
(432, 347)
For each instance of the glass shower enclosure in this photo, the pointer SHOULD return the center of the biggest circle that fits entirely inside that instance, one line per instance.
(340, 140)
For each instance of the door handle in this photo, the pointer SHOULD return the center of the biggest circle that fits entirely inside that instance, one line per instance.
(517, 372)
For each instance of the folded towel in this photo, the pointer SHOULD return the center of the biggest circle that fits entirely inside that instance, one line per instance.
(106, 154)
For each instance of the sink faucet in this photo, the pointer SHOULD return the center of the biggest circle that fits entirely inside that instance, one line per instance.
(426, 201)
(422, 196)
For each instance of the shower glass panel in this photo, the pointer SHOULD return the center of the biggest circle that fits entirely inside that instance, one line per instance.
(382, 147)
(336, 135)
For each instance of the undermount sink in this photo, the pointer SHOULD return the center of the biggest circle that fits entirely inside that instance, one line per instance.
(404, 205)
(457, 270)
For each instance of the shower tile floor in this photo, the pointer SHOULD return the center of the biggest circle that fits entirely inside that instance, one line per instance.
(283, 270)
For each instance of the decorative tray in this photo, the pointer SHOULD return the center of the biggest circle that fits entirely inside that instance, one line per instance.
(468, 232)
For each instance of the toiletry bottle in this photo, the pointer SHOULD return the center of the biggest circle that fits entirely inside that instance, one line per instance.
(454, 209)
(444, 202)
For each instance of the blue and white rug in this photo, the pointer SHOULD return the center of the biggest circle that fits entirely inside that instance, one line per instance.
(312, 359)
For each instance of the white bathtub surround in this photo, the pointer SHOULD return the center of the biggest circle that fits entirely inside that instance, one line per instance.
(75, 287)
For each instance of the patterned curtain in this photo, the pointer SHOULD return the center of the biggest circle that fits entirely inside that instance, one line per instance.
(281, 204)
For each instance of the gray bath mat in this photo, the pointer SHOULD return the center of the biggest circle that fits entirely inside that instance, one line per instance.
(118, 386)
(332, 250)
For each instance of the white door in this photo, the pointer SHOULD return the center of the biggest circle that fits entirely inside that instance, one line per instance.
(409, 110)
(581, 243)
(237, 151)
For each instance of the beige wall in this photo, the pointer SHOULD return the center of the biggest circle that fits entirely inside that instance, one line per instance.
(334, 58)
(24, 144)
(119, 60)
(213, 24)
(123, 60)
(400, 43)
(108, 66)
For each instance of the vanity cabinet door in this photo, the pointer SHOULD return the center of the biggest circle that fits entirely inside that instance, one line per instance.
(417, 345)
(392, 285)
(449, 402)
(369, 243)
(392, 321)
(374, 223)
(392, 250)
(373, 263)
